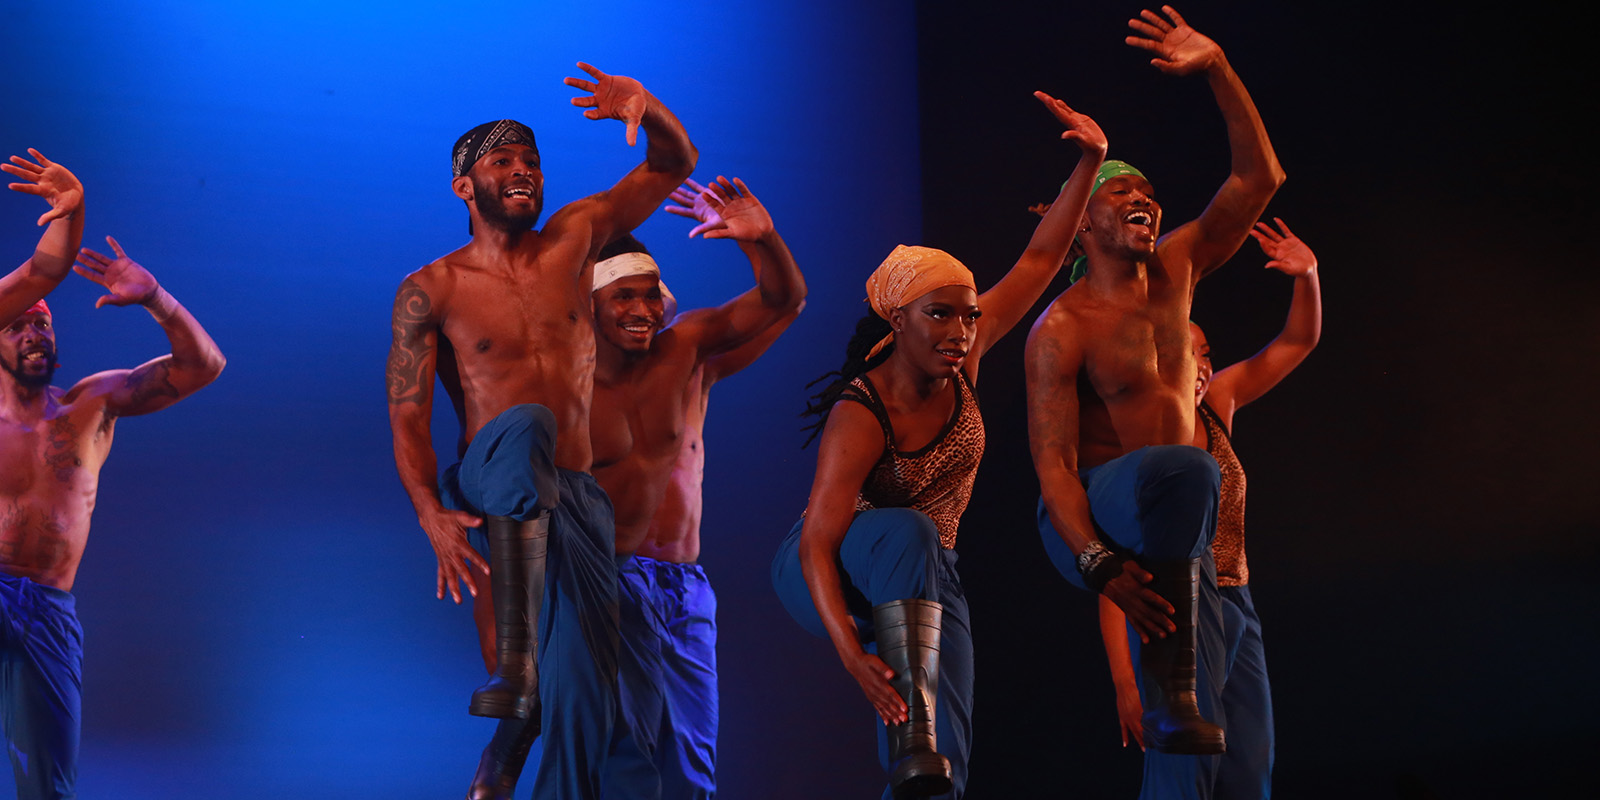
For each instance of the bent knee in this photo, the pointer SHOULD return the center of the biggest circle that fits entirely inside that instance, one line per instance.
(904, 529)
(531, 417)
(1188, 465)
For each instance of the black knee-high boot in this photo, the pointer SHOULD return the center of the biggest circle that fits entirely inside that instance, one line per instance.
(503, 760)
(908, 642)
(1172, 721)
(516, 576)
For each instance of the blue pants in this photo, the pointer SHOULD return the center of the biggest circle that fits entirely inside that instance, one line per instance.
(1161, 504)
(669, 673)
(41, 684)
(1246, 769)
(509, 471)
(894, 554)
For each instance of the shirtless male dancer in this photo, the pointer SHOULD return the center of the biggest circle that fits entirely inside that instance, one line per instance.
(1127, 502)
(53, 443)
(649, 385)
(646, 380)
(504, 322)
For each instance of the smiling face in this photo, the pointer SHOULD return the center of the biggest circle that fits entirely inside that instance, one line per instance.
(1124, 217)
(1202, 362)
(935, 331)
(628, 313)
(506, 186)
(28, 350)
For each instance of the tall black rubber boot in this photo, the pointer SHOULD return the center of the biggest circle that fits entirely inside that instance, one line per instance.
(516, 577)
(908, 642)
(503, 760)
(1172, 721)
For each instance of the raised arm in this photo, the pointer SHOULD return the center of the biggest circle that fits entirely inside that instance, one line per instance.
(1053, 359)
(669, 155)
(852, 442)
(1256, 175)
(53, 257)
(729, 210)
(1007, 301)
(194, 361)
(413, 357)
(1241, 383)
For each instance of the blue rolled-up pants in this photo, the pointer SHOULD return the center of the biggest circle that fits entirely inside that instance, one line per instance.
(1160, 503)
(41, 685)
(509, 471)
(893, 554)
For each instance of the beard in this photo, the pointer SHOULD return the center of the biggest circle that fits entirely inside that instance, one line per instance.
(492, 209)
(30, 380)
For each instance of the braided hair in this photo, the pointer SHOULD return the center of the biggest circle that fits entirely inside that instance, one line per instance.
(870, 329)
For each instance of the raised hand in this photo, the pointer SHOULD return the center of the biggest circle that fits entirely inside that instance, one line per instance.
(691, 204)
(1080, 128)
(1148, 612)
(874, 677)
(1289, 255)
(127, 282)
(447, 532)
(1179, 49)
(743, 217)
(613, 97)
(55, 183)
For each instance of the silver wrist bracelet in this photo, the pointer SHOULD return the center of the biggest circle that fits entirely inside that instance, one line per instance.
(1093, 553)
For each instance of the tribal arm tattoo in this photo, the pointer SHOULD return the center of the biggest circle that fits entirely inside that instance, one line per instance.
(413, 356)
(413, 352)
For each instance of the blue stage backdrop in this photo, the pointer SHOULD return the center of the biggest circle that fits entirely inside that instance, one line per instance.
(257, 596)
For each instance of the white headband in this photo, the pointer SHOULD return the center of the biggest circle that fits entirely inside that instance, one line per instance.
(622, 266)
(627, 265)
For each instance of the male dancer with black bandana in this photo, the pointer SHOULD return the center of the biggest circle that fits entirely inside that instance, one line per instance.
(649, 383)
(504, 323)
(1128, 504)
(53, 443)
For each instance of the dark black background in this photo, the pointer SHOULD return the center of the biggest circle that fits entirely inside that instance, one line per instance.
(1422, 506)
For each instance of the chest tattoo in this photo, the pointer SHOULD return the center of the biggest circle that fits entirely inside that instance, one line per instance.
(61, 451)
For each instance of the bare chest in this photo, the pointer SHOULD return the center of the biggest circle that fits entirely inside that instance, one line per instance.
(1139, 352)
(494, 320)
(57, 456)
(640, 420)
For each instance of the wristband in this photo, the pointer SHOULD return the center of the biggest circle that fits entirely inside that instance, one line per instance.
(1098, 565)
(162, 306)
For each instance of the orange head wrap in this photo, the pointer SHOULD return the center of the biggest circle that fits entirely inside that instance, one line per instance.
(909, 273)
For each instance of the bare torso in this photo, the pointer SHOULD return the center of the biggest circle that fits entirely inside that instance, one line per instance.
(517, 334)
(639, 430)
(49, 477)
(1136, 387)
(674, 533)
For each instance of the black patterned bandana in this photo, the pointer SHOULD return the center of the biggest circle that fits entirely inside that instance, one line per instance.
(474, 143)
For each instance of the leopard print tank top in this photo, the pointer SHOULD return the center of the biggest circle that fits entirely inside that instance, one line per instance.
(937, 479)
(1227, 547)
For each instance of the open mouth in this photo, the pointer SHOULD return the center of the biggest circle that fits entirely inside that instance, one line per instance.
(1140, 217)
(35, 358)
(523, 192)
(951, 354)
(639, 328)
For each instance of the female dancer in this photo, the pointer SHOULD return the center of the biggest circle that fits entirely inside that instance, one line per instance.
(901, 441)
(1245, 770)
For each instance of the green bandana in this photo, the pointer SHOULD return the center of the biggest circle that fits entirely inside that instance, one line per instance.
(1108, 170)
